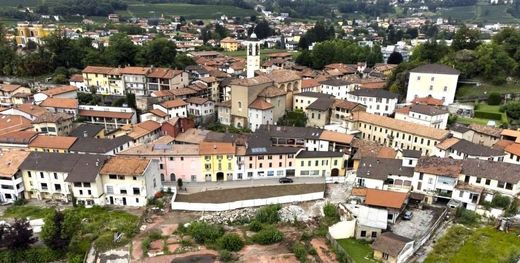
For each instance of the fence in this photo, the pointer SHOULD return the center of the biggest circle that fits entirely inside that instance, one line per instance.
(418, 243)
(339, 250)
(245, 203)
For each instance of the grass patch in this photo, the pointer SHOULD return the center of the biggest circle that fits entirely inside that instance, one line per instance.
(186, 10)
(461, 245)
(25, 211)
(471, 91)
(468, 121)
(484, 107)
(481, 12)
(358, 250)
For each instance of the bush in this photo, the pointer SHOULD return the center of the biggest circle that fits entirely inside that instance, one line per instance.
(204, 233)
(488, 115)
(466, 217)
(230, 242)
(255, 226)
(331, 212)
(268, 214)
(300, 252)
(105, 241)
(494, 98)
(500, 201)
(267, 236)
(225, 256)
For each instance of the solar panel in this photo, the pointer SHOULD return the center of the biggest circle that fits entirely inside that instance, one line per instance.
(259, 150)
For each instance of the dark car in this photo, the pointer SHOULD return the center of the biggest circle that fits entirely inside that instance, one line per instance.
(285, 180)
(407, 215)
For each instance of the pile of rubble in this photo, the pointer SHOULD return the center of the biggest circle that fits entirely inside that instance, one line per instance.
(293, 213)
(227, 217)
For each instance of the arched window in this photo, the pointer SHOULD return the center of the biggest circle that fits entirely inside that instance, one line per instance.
(250, 49)
(239, 105)
(172, 177)
(162, 177)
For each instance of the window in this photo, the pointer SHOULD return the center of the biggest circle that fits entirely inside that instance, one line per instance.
(136, 191)
(86, 184)
(110, 190)
(478, 180)
(112, 176)
(430, 180)
(374, 234)
(363, 233)
(89, 192)
(29, 174)
(461, 194)
(41, 175)
(77, 184)
(385, 256)
(421, 175)
(44, 186)
(80, 192)
(56, 176)
(57, 187)
(501, 184)
(488, 182)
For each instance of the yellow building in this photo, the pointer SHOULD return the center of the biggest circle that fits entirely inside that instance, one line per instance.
(229, 44)
(56, 144)
(106, 80)
(32, 32)
(319, 164)
(218, 160)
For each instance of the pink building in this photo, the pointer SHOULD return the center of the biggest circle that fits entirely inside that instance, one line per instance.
(175, 160)
(269, 161)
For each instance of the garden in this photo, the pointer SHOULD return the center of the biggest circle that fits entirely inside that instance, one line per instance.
(66, 234)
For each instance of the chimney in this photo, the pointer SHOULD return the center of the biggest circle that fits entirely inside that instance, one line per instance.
(214, 146)
(85, 134)
(97, 162)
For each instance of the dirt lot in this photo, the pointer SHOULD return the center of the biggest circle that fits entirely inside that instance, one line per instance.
(237, 194)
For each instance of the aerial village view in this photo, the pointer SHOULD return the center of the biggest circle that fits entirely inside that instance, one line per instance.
(284, 131)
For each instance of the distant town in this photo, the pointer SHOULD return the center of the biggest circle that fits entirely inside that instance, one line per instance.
(152, 131)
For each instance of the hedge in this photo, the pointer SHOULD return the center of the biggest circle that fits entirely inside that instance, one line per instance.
(488, 115)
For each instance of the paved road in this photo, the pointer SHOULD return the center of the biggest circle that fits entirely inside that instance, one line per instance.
(204, 186)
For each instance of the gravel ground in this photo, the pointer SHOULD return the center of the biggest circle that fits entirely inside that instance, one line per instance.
(417, 227)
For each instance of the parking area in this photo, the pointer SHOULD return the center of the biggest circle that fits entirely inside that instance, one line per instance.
(420, 223)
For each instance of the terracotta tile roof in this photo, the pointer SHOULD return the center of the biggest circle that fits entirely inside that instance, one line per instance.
(261, 104)
(309, 83)
(18, 137)
(162, 93)
(31, 109)
(228, 40)
(336, 137)
(283, 75)
(183, 91)
(404, 110)
(373, 85)
(59, 90)
(163, 73)
(76, 78)
(258, 80)
(106, 114)
(271, 92)
(149, 125)
(60, 103)
(52, 117)
(371, 149)
(439, 166)
(216, 148)
(513, 148)
(348, 105)
(126, 166)
(487, 130)
(53, 142)
(197, 100)
(382, 198)
(11, 161)
(428, 101)
(226, 104)
(511, 133)
(359, 191)
(134, 70)
(174, 103)
(446, 144)
(9, 87)
(502, 144)
(390, 244)
(97, 70)
(158, 113)
(12, 123)
(280, 55)
(399, 125)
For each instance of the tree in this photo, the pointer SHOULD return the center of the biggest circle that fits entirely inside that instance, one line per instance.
(509, 39)
(465, 61)
(430, 52)
(220, 31)
(179, 182)
(494, 63)
(395, 58)
(512, 109)
(494, 98)
(159, 52)
(54, 233)
(318, 33)
(466, 38)
(263, 30)
(19, 235)
(182, 61)
(121, 50)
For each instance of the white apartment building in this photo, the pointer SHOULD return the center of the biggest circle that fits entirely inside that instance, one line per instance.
(396, 133)
(174, 108)
(11, 183)
(338, 88)
(461, 149)
(435, 80)
(424, 115)
(303, 99)
(130, 181)
(134, 79)
(376, 101)
(260, 112)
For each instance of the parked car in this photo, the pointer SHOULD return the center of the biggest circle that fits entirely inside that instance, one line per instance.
(407, 215)
(285, 180)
